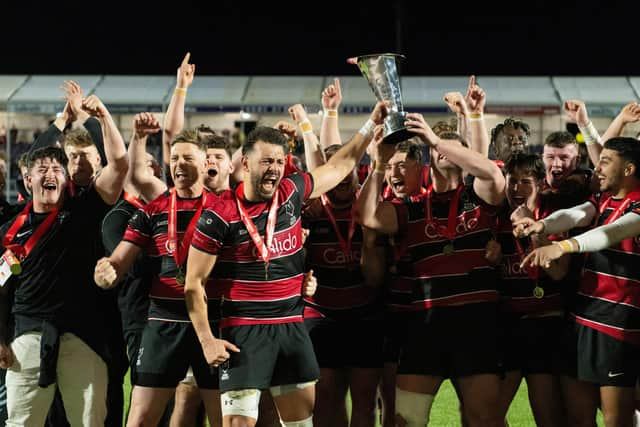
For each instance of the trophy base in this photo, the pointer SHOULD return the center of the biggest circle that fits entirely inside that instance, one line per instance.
(398, 136)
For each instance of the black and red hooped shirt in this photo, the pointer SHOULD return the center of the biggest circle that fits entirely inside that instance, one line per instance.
(608, 298)
(252, 292)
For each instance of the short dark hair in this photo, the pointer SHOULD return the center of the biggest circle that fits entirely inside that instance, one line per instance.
(265, 134)
(53, 153)
(628, 149)
(189, 137)
(412, 148)
(523, 162)
(215, 141)
(510, 122)
(560, 139)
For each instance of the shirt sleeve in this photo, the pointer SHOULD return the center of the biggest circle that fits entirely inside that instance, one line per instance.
(140, 231)
(211, 229)
(304, 184)
(599, 238)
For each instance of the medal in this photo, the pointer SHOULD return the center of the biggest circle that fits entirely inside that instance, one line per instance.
(16, 252)
(179, 250)
(448, 249)
(262, 245)
(538, 292)
(180, 276)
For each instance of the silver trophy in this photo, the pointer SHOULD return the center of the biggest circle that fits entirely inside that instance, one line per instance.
(381, 72)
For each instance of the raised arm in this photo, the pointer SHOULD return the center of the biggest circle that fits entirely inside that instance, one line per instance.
(489, 183)
(140, 176)
(476, 100)
(74, 95)
(576, 111)
(174, 118)
(329, 131)
(327, 176)
(52, 134)
(110, 181)
(373, 213)
(313, 152)
(630, 113)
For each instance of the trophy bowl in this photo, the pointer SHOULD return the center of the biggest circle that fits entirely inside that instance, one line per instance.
(381, 72)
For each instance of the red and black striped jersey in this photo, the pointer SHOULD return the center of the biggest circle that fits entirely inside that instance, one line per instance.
(608, 299)
(341, 289)
(254, 292)
(441, 278)
(516, 286)
(148, 229)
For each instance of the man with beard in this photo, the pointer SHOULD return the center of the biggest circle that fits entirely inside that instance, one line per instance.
(344, 316)
(452, 332)
(604, 342)
(168, 344)
(262, 308)
(59, 329)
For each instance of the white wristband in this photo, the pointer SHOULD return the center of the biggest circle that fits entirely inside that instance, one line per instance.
(590, 134)
(367, 129)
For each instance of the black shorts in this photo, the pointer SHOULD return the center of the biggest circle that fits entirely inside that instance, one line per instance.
(599, 358)
(167, 349)
(132, 338)
(452, 342)
(532, 345)
(346, 343)
(395, 335)
(270, 355)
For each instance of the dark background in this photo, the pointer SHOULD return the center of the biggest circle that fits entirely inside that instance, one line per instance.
(267, 38)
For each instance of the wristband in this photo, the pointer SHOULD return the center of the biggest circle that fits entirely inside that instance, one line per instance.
(305, 126)
(331, 114)
(367, 129)
(476, 117)
(590, 134)
(565, 246)
(181, 91)
(379, 167)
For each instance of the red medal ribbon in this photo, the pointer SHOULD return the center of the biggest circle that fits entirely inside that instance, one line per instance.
(450, 230)
(23, 251)
(263, 249)
(180, 250)
(345, 245)
(135, 201)
(400, 249)
(532, 271)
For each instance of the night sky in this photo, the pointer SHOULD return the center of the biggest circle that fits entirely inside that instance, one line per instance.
(236, 38)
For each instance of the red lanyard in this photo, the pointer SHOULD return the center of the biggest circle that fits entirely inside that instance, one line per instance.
(450, 230)
(135, 201)
(263, 249)
(399, 248)
(179, 251)
(630, 197)
(346, 245)
(532, 271)
(23, 251)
